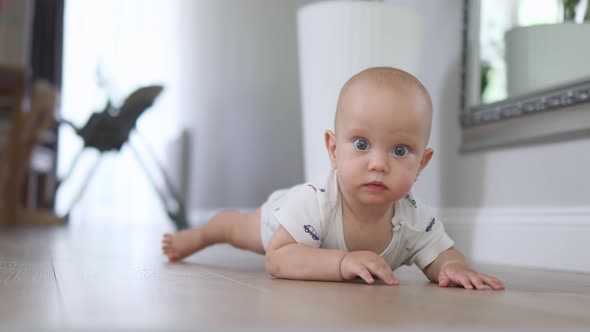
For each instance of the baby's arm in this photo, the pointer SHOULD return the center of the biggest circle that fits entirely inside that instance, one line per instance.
(285, 258)
(451, 269)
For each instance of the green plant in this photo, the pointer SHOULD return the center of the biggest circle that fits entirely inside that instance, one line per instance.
(569, 11)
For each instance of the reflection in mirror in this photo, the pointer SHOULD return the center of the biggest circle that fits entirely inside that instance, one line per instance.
(523, 49)
(523, 57)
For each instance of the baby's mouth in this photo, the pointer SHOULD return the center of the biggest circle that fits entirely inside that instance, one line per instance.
(376, 186)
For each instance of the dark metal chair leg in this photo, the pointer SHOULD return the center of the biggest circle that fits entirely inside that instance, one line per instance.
(82, 188)
(176, 213)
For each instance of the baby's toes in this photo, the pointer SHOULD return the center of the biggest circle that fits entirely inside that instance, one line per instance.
(165, 244)
(167, 248)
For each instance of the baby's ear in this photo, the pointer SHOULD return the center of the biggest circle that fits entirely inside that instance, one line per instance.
(428, 153)
(330, 139)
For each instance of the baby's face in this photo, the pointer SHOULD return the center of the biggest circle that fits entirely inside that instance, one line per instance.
(380, 141)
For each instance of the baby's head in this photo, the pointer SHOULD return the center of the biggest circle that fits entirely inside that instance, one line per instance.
(382, 127)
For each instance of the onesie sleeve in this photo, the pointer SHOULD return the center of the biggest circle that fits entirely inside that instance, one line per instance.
(428, 237)
(299, 213)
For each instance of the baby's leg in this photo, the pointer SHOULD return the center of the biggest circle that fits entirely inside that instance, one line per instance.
(240, 229)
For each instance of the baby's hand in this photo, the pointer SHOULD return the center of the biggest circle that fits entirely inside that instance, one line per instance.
(366, 264)
(459, 274)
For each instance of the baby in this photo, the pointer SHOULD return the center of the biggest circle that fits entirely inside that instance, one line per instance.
(361, 220)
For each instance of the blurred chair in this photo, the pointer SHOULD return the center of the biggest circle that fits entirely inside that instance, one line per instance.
(109, 130)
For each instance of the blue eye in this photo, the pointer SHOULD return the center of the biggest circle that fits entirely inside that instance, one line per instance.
(361, 144)
(400, 150)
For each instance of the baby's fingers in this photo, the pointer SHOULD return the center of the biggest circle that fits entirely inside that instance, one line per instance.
(383, 272)
(464, 280)
(444, 280)
(458, 279)
(365, 275)
(492, 282)
(477, 281)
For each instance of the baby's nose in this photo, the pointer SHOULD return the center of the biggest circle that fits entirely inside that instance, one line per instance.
(379, 163)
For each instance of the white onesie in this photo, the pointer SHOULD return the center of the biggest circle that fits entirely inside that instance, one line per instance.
(312, 214)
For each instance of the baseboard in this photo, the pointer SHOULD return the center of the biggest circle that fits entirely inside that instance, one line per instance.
(550, 238)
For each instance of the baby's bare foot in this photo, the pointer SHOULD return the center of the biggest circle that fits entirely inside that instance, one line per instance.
(182, 244)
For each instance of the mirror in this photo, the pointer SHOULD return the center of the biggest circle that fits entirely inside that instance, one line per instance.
(521, 58)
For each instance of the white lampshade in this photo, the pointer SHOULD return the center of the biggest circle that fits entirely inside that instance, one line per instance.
(338, 39)
(544, 56)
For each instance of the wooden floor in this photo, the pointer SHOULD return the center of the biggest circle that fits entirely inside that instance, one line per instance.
(101, 276)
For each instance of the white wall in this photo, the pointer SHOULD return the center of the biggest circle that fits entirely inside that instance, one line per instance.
(241, 100)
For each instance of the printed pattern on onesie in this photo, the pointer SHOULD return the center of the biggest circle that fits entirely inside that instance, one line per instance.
(299, 212)
(425, 237)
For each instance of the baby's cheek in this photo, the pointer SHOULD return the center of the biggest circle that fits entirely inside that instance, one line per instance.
(346, 178)
(404, 183)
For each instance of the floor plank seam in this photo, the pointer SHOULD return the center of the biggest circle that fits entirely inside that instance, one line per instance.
(60, 296)
(239, 282)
